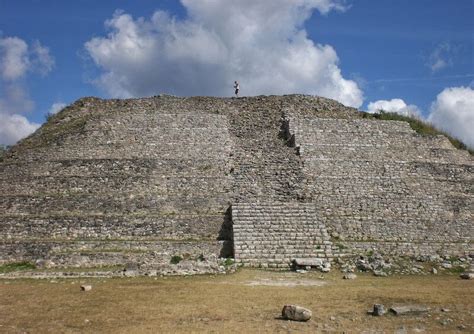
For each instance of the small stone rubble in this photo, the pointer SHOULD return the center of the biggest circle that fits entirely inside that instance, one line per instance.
(382, 265)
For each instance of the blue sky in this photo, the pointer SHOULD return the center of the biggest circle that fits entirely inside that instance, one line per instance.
(411, 57)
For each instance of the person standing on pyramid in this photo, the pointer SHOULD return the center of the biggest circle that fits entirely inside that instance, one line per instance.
(236, 87)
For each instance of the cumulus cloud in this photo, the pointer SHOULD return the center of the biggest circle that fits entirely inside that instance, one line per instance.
(14, 60)
(396, 106)
(15, 99)
(453, 112)
(42, 59)
(262, 44)
(440, 57)
(56, 107)
(17, 59)
(15, 127)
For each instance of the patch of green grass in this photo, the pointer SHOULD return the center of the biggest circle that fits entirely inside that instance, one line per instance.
(456, 270)
(229, 261)
(175, 259)
(419, 126)
(16, 266)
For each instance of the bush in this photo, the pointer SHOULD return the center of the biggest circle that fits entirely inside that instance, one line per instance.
(48, 116)
(175, 259)
(228, 261)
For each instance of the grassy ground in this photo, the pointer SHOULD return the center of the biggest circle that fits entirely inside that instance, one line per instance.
(236, 303)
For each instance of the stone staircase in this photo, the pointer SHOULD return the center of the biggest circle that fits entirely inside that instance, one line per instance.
(273, 234)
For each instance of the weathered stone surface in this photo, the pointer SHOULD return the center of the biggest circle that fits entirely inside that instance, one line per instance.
(107, 182)
(409, 309)
(378, 310)
(308, 262)
(296, 313)
(467, 275)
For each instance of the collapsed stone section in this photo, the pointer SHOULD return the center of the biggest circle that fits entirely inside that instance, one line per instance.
(274, 234)
(379, 185)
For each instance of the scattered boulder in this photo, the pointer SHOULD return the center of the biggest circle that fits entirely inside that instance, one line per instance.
(296, 313)
(310, 263)
(86, 287)
(409, 309)
(379, 310)
(380, 273)
(434, 271)
(446, 265)
(467, 275)
(44, 264)
(349, 276)
(326, 267)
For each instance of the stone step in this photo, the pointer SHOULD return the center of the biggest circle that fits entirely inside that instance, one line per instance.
(169, 226)
(271, 233)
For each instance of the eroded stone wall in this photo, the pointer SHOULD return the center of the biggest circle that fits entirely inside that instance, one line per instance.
(143, 180)
(159, 180)
(379, 185)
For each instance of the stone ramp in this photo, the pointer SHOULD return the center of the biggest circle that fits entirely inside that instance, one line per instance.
(273, 234)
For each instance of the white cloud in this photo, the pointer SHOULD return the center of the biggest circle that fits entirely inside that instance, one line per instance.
(14, 60)
(453, 112)
(396, 106)
(15, 127)
(14, 99)
(440, 57)
(262, 44)
(42, 60)
(17, 59)
(57, 107)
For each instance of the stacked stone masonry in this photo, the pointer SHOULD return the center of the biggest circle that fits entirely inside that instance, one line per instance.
(379, 185)
(158, 181)
(106, 182)
(273, 234)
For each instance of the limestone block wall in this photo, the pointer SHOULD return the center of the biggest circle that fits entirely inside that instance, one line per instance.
(141, 176)
(379, 181)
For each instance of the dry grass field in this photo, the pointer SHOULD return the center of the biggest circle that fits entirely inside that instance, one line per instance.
(248, 301)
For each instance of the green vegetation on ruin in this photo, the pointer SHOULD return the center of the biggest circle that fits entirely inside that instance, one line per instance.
(16, 266)
(421, 127)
